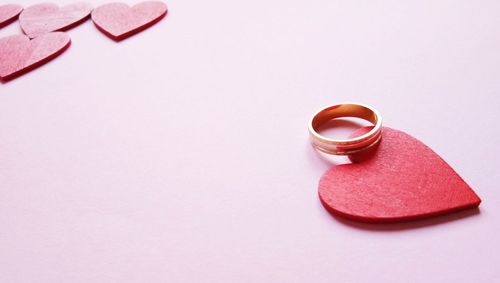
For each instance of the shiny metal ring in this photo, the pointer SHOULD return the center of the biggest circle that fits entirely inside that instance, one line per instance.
(347, 146)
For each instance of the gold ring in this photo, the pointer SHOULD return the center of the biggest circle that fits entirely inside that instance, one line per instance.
(348, 146)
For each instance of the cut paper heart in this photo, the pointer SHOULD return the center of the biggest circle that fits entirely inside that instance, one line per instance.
(403, 180)
(19, 54)
(9, 13)
(47, 17)
(119, 21)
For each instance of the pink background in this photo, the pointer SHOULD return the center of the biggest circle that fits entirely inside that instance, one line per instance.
(181, 154)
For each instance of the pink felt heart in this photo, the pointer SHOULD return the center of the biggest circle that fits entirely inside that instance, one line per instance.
(19, 54)
(403, 180)
(43, 18)
(9, 13)
(118, 20)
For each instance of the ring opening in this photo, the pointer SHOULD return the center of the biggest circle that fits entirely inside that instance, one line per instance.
(344, 110)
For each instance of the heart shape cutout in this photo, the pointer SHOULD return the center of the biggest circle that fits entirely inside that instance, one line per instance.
(403, 180)
(47, 17)
(19, 54)
(119, 21)
(9, 13)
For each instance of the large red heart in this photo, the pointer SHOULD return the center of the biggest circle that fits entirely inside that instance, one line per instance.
(43, 18)
(19, 54)
(8, 13)
(118, 20)
(403, 180)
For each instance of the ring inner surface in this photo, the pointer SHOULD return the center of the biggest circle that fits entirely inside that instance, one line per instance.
(344, 110)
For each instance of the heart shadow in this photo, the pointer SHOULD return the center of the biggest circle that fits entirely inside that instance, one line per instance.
(408, 225)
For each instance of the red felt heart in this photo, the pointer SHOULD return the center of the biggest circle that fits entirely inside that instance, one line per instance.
(403, 180)
(19, 54)
(43, 18)
(118, 20)
(8, 13)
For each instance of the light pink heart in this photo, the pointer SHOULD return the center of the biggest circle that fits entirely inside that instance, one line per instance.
(8, 13)
(47, 17)
(118, 20)
(19, 54)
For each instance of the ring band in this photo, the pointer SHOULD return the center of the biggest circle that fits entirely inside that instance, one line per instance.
(348, 146)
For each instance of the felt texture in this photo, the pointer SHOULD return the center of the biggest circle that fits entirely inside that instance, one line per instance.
(119, 21)
(9, 13)
(47, 17)
(402, 179)
(19, 54)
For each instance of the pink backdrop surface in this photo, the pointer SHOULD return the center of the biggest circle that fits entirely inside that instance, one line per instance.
(181, 154)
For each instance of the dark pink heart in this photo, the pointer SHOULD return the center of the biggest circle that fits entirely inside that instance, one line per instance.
(19, 54)
(9, 13)
(403, 180)
(47, 17)
(118, 20)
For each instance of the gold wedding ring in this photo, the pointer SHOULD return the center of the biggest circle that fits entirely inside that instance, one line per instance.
(347, 146)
